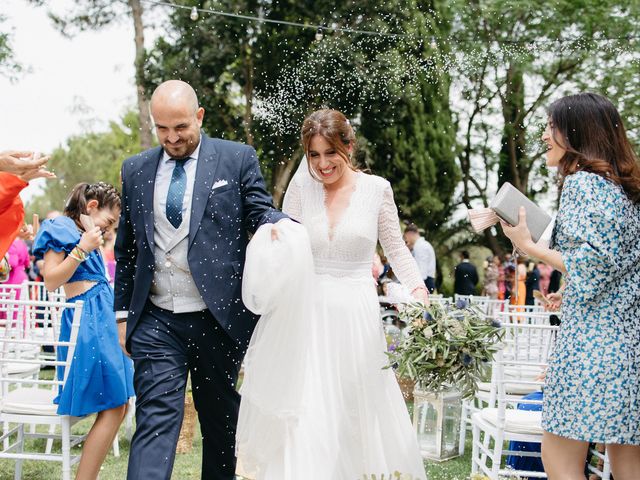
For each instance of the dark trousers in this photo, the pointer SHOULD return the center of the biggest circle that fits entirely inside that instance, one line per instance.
(430, 283)
(165, 346)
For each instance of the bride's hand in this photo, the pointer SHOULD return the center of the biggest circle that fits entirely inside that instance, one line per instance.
(421, 294)
(274, 233)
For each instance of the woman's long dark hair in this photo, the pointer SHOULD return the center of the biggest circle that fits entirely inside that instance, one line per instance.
(589, 127)
(106, 195)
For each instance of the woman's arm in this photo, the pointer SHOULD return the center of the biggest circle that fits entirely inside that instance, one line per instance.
(402, 262)
(547, 255)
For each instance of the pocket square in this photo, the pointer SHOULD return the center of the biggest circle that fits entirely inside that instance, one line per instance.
(219, 183)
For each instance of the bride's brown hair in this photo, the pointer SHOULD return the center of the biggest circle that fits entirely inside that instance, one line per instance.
(594, 136)
(334, 127)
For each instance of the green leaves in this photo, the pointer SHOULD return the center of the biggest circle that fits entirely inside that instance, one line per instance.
(454, 352)
(9, 67)
(89, 157)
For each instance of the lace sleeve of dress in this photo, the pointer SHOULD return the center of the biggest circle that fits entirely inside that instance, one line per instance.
(292, 204)
(402, 262)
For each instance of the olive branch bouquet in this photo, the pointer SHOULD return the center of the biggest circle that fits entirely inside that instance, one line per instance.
(447, 346)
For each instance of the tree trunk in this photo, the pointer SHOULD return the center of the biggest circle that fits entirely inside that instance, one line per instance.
(248, 95)
(146, 140)
(492, 242)
(514, 167)
(282, 175)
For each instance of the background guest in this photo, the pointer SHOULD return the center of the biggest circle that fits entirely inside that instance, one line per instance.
(509, 269)
(502, 288)
(466, 276)
(519, 292)
(17, 169)
(545, 276)
(491, 277)
(532, 282)
(424, 254)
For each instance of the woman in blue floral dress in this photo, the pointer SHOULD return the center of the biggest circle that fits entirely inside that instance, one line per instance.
(592, 391)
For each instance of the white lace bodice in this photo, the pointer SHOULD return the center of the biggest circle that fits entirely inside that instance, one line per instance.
(348, 249)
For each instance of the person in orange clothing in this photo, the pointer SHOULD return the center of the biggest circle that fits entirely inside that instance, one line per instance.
(519, 294)
(16, 170)
(11, 209)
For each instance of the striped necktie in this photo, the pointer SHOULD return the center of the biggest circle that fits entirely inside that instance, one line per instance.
(175, 196)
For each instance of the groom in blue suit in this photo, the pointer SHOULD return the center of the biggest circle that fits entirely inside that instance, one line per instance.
(186, 209)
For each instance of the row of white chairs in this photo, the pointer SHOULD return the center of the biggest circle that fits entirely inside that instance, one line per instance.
(517, 370)
(29, 329)
(27, 402)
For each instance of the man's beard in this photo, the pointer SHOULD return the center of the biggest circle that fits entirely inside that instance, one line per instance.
(184, 150)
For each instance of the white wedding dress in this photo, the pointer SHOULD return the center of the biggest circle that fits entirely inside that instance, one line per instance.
(316, 401)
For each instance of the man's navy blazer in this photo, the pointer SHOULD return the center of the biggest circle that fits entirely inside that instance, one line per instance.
(221, 220)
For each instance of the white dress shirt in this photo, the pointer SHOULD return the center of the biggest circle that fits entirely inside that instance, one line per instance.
(163, 181)
(425, 258)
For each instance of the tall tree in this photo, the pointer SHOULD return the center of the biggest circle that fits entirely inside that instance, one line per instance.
(234, 66)
(89, 157)
(518, 59)
(259, 80)
(412, 140)
(96, 14)
(9, 67)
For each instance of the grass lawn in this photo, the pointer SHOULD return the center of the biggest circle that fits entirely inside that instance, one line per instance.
(187, 466)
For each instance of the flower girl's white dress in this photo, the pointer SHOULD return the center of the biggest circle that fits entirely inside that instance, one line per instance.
(316, 402)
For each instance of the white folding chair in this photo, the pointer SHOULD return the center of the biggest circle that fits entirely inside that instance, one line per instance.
(493, 306)
(471, 299)
(5, 315)
(494, 425)
(13, 325)
(524, 308)
(487, 305)
(25, 402)
(524, 345)
(440, 299)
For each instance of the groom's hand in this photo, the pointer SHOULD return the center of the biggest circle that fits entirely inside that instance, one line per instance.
(122, 337)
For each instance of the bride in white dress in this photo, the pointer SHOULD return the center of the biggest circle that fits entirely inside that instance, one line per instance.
(316, 401)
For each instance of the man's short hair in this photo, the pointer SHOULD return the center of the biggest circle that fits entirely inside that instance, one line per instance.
(465, 254)
(412, 227)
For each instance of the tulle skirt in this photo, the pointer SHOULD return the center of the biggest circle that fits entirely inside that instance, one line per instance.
(316, 400)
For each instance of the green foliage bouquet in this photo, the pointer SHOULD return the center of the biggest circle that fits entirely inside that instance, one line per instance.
(446, 346)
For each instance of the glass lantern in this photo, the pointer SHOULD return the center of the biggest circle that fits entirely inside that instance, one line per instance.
(436, 419)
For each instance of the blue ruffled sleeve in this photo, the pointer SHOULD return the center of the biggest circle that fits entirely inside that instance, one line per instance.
(59, 234)
(588, 234)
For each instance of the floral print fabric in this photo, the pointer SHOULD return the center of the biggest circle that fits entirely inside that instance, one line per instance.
(593, 384)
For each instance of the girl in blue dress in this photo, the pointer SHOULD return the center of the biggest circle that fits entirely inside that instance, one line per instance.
(592, 391)
(101, 376)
